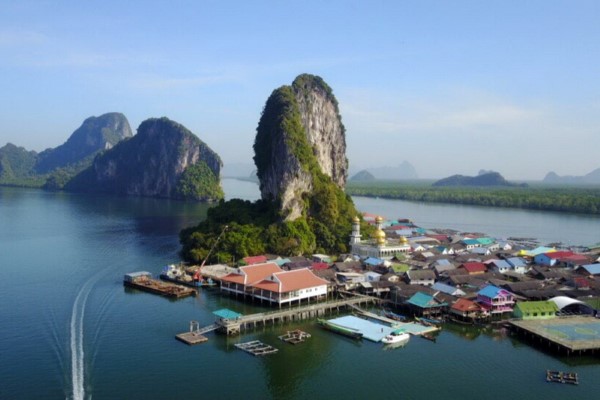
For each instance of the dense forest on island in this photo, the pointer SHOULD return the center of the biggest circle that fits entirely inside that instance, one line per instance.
(582, 199)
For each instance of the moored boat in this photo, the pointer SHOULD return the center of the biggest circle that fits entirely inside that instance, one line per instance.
(396, 336)
(342, 330)
(391, 315)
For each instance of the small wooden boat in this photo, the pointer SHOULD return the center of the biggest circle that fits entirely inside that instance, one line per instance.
(429, 336)
(562, 377)
(430, 321)
(391, 315)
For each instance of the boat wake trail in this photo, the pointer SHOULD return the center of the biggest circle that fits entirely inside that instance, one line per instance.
(76, 340)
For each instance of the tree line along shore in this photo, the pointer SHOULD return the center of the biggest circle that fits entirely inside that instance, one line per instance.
(570, 199)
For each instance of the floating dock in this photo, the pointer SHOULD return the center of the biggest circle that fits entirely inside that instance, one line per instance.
(143, 280)
(195, 334)
(294, 337)
(256, 348)
(575, 335)
(562, 377)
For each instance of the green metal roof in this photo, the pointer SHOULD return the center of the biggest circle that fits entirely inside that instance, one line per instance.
(537, 306)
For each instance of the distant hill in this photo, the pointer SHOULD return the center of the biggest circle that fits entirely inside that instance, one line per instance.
(16, 162)
(403, 171)
(362, 176)
(592, 178)
(486, 179)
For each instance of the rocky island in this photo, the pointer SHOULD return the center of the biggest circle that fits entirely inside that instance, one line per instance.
(302, 168)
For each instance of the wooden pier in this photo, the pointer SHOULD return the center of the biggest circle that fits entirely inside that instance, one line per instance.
(233, 326)
(573, 335)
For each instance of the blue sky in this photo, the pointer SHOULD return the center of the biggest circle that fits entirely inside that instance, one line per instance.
(450, 86)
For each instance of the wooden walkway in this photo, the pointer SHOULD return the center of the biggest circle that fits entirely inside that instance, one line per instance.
(246, 322)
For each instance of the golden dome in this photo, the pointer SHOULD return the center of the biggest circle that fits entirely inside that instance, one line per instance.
(355, 219)
(378, 234)
(379, 219)
(381, 240)
(403, 239)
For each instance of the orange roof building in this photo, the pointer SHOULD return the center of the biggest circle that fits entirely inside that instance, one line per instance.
(269, 282)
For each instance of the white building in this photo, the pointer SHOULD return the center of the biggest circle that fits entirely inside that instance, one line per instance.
(377, 246)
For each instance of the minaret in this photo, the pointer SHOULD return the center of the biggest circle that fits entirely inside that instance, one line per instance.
(355, 236)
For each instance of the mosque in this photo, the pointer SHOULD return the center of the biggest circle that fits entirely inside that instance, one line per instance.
(377, 246)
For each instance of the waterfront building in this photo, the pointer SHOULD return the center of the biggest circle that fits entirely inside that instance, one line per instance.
(535, 310)
(496, 300)
(377, 245)
(468, 310)
(290, 286)
(425, 305)
(244, 277)
(567, 305)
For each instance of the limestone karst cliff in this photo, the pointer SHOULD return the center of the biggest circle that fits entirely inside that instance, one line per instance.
(55, 166)
(302, 168)
(94, 135)
(300, 136)
(164, 159)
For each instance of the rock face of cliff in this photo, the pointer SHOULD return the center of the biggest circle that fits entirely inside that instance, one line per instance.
(300, 139)
(94, 135)
(164, 159)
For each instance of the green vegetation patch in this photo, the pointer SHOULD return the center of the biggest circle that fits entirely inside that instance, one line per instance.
(583, 200)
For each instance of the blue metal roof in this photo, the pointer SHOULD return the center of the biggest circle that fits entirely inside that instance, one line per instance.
(226, 313)
(442, 287)
(502, 264)
(490, 291)
(424, 300)
(516, 261)
(373, 261)
(593, 269)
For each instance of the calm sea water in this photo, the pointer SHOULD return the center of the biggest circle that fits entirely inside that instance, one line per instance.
(69, 329)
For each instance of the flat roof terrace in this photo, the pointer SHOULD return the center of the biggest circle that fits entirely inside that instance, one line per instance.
(574, 333)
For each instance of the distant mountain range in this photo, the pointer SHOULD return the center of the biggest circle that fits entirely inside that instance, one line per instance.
(591, 178)
(483, 179)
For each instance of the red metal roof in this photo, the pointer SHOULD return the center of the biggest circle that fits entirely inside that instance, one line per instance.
(466, 305)
(291, 280)
(558, 254)
(319, 266)
(473, 267)
(251, 274)
(255, 260)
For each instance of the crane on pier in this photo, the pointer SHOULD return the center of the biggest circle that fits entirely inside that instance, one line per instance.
(197, 274)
